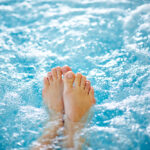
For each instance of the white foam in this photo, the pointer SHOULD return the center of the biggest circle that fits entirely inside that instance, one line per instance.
(133, 16)
(103, 1)
(7, 8)
(104, 10)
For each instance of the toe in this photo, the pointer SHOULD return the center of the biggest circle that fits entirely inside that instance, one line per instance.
(46, 82)
(68, 80)
(78, 79)
(65, 69)
(91, 93)
(50, 78)
(83, 81)
(59, 73)
(87, 86)
(54, 73)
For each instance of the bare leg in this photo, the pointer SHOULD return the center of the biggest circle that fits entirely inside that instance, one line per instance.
(78, 100)
(53, 98)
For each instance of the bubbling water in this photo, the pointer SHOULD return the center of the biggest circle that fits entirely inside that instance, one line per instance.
(108, 41)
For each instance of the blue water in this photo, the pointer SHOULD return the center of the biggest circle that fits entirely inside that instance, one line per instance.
(106, 40)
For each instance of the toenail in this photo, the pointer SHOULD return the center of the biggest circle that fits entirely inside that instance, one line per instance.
(70, 75)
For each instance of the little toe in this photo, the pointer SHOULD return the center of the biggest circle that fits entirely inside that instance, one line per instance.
(78, 79)
(83, 81)
(46, 82)
(87, 86)
(68, 80)
(59, 73)
(91, 93)
(54, 73)
(65, 69)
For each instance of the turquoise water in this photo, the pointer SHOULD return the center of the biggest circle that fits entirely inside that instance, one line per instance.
(106, 40)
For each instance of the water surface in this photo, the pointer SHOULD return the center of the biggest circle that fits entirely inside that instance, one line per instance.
(106, 40)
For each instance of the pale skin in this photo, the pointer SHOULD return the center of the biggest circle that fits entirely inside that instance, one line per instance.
(62, 97)
(78, 99)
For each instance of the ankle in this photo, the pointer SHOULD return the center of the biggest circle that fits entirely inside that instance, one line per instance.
(56, 118)
(71, 129)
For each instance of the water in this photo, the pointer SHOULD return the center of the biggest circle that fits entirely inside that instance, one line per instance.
(106, 40)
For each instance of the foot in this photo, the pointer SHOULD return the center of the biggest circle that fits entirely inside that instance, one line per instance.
(53, 89)
(53, 98)
(79, 98)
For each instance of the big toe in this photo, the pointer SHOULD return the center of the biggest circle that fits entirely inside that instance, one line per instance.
(65, 69)
(68, 80)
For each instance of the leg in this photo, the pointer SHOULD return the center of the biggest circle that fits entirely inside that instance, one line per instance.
(53, 98)
(78, 100)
